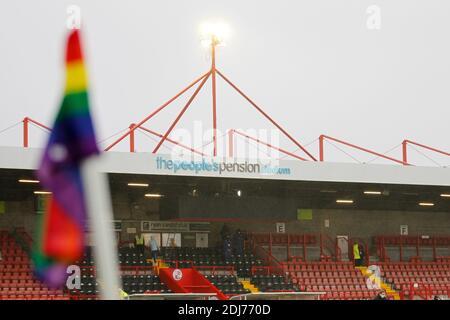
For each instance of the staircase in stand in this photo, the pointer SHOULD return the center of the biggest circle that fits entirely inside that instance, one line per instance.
(379, 282)
(248, 285)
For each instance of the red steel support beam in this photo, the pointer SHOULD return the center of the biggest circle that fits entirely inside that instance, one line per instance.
(266, 115)
(304, 247)
(405, 149)
(156, 111)
(132, 136)
(38, 124)
(172, 141)
(25, 132)
(321, 147)
(288, 247)
(174, 123)
(269, 145)
(365, 150)
(26, 124)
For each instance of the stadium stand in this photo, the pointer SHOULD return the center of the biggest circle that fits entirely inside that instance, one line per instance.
(228, 284)
(424, 278)
(187, 257)
(255, 271)
(273, 283)
(340, 280)
(16, 278)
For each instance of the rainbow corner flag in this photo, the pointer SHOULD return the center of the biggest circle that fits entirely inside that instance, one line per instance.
(60, 234)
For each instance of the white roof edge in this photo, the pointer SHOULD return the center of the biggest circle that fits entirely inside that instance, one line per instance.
(146, 163)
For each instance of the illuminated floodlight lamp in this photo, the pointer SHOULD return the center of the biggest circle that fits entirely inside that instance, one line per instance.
(426, 204)
(137, 184)
(214, 33)
(372, 192)
(42, 192)
(153, 195)
(28, 181)
(344, 201)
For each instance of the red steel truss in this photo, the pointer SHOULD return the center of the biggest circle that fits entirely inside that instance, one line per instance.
(200, 83)
(231, 134)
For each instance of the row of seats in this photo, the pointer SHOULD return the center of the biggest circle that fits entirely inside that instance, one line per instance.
(318, 266)
(349, 295)
(329, 281)
(228, 284)
(187, 257)
(327, 274)
(16, 278)
(339, 280)
(127, 257)
(131, 284)
(433, 275)
(271, 283)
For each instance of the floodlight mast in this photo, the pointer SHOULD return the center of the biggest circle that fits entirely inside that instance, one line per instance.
(214, 37)
(214, 43)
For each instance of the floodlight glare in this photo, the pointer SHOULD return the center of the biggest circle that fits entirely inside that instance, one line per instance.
(214, 33)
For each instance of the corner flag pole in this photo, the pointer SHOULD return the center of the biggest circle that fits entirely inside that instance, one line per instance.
(100, 215)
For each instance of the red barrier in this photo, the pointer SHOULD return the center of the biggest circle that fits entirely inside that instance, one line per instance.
(188, 280)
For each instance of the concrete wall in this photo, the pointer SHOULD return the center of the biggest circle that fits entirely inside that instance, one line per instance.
(255, 216)
(18, 214)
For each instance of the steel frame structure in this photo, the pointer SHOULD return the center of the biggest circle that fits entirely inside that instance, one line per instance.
(200, 82)
(213, 72)
(232, 133)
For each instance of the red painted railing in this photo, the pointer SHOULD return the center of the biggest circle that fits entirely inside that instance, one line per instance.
(416, 241)
(214, 270)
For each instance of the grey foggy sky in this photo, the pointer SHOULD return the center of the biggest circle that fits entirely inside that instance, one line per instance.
(312, 65)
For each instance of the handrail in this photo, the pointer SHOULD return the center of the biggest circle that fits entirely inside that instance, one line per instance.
(271, 260)
(177, 262)
(337, 251)
(417, 241)
(268, 270)
(215, 269)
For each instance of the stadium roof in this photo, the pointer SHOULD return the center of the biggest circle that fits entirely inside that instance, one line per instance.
(314, 184)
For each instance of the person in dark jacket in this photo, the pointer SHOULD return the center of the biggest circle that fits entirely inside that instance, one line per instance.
(227, 248)
(362, 255)
(238, 243)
